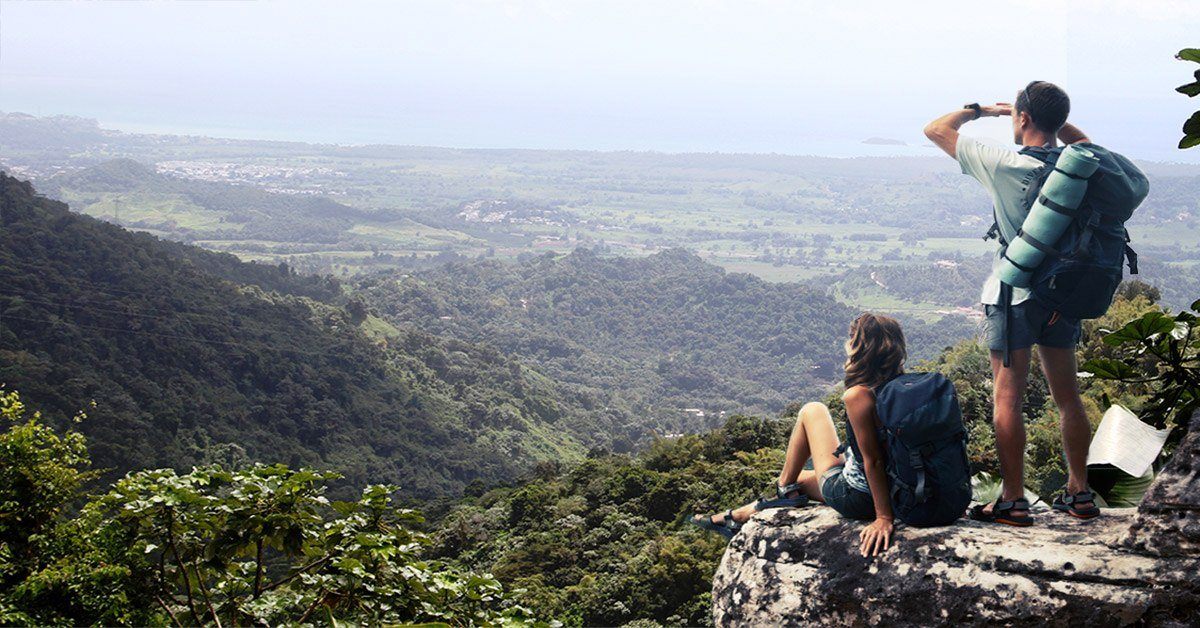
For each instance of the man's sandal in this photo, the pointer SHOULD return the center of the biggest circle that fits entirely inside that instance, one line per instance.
(1066, 502)
(1002, 512)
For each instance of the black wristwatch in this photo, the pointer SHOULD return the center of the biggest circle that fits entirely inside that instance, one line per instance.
(976, 108)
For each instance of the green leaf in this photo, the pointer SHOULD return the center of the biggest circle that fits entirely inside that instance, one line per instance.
(1189, 54)
(1191, 89)
(1129, 491)
(985, 488)
(351, 565)
(1141, 329)
(1192, 125)
(344, 508)
(1117, 488)
(1191, 131)
(1108, 368)
(1196, 305)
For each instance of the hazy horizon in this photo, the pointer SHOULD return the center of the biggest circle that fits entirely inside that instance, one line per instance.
(757, 77)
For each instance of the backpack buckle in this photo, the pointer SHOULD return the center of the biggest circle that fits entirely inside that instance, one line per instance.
(993, 232)
(1131, 259)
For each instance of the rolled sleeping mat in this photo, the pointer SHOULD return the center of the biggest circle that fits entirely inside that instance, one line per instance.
(1050, 215)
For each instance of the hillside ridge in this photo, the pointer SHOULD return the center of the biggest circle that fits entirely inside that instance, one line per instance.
(192, 357)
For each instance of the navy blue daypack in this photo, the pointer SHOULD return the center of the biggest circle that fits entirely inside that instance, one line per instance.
(925, 447)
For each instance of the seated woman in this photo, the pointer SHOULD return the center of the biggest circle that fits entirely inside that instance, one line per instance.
(856, 484)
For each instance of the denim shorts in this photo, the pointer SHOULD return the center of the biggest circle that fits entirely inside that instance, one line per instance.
(847, 500)
(1030, 323)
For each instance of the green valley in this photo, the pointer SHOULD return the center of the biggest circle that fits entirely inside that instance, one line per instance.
(352, 209)
(185, 357)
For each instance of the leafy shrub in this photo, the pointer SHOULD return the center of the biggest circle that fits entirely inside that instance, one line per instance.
(1162, 351)
(606, 542)
(262, 545)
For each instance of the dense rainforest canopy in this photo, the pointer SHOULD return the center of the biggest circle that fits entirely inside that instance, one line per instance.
(651, 336)
(185, 357)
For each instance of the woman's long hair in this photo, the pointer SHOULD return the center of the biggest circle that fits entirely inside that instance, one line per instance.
(875, 351)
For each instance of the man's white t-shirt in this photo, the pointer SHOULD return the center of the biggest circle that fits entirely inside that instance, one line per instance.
(1006, 174)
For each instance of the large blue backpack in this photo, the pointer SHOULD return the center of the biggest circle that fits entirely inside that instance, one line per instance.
(1084, 267)
(925, 448)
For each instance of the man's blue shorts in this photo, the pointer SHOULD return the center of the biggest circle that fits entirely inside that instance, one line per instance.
(1030, 324)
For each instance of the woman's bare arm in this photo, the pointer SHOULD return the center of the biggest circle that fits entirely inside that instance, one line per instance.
(860, 409)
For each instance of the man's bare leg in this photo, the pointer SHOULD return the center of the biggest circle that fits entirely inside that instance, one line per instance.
(1059, 366)
(1008, 396)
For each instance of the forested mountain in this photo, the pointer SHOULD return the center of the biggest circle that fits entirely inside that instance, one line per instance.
(191, 356)
(655, 336)
(194, 356)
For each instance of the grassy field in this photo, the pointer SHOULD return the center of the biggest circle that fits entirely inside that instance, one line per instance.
(149, 209)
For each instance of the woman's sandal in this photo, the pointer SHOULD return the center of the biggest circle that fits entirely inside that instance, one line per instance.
(1002, 513)
(1066, 503)
(781, 499)
(727, 528)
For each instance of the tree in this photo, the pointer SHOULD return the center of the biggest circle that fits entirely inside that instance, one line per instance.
(1191, 128)
(262, 545)
(1162, 350)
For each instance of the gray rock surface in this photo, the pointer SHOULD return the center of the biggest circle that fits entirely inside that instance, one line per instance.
(1168, 519)
(801, 567)
(1129, 567)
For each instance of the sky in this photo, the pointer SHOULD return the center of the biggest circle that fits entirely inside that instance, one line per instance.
(801, 77)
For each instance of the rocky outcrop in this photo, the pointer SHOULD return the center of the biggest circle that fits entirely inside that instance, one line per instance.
(1168, 519)
(1131, 566)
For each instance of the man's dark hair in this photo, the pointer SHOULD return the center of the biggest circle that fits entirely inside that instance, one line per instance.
(1047, 105)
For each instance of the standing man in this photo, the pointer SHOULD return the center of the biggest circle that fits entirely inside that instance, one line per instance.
(1039, 118)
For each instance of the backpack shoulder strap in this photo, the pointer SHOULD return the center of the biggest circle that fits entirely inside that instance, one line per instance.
(1049, 157)
(1046, 154)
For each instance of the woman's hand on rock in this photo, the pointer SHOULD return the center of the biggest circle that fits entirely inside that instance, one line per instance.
(876, 537)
